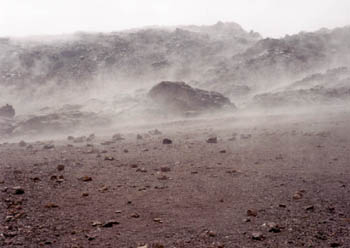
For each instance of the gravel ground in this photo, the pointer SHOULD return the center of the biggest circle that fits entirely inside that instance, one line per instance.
(275, 181)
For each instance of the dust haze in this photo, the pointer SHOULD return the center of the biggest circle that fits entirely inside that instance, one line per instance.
(175, 133)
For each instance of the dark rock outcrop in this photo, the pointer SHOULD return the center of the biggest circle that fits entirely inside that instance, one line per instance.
(7, 111)
(180, 97)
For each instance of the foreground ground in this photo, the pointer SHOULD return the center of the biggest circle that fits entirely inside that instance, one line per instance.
(277, 181)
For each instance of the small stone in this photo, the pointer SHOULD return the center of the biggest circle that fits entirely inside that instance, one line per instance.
(165, 169)
(135, 215)
(22, 143)
(109, 158)
(252, 212)
(282, 205)
(258, 236)
(298, 195)
(158, 220)
(10, 234)
(273, 227)
(96, 223)
(48, 146)
(223, 151)
(60, 167)
(157, 245)
(103, 189)
(85, 194)
(163, 177)
(211, 234)
(91, 137)
(212, 140)
(18, 190)
(231, 171)
(110, 223)
(143, 170)
(246, 220)
(53, 178)
(309, 208)
(126, 150)
(86, 179)
(167, 141)
(139, 137)
(51, 205)
(117, 137)
(335, 244)
(9, 218)
(91, 237)
(80, 139)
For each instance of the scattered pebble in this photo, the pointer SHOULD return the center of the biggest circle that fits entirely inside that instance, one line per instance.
(22, 143)
(252, 212)
(165, 169)
(109, 158)
(110, 223)
(135, 215)
(158, 220)
(309, 208)
(60, 167)
(86, 179)
(258, 236)
(48, 146)
(51, 205)
(18, 190)
(298, 195)
(212, 140)
(167, 141)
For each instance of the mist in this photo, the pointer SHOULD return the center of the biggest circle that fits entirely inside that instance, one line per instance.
(38, 17)
(102, 80)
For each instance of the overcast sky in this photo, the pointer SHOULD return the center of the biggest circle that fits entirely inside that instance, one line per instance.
(273, 18)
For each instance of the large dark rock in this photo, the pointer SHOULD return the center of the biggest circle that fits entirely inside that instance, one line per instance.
(58, 121)
(7, 111)
(180, 97)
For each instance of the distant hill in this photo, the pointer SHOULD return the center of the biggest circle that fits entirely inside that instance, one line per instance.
(139, 56)
(272, 63)
(222, 57)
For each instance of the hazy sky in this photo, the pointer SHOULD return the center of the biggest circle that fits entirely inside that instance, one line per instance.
(269, 17)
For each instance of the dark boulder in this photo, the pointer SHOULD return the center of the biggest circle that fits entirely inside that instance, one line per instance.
(180, 97)
(7, 111)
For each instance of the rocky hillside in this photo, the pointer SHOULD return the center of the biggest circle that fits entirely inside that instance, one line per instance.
(329, 88)
(223, 58)
(272, 63)
(147, 55)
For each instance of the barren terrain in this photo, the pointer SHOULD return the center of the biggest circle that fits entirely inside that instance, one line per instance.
(269, 181)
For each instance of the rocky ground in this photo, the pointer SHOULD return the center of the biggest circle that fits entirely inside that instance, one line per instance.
(249, 181)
